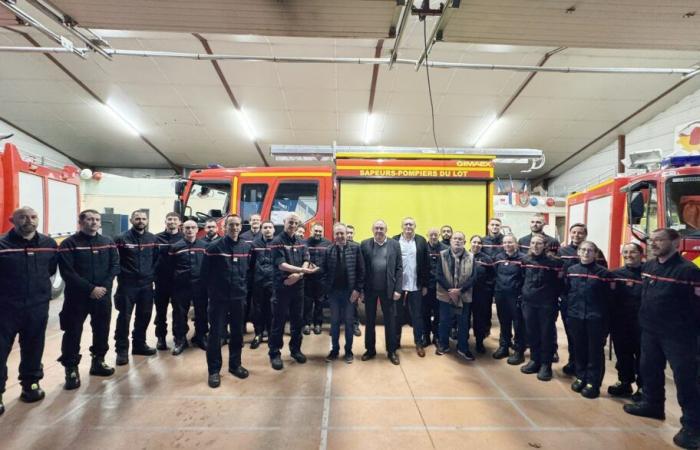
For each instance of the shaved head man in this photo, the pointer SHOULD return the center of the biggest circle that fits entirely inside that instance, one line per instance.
(27, 262)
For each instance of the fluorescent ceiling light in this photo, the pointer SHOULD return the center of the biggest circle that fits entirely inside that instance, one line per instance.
(119, 118)
(369, 127)
(486, 131)
(245, 122)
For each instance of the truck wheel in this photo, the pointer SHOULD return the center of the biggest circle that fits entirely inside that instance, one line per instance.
(57, 286)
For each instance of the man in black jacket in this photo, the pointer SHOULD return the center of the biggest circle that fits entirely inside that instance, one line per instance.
(313, 284)
(211, 231)
(254, 231)
(356, 321)
(669, 318)
(185, 262)
(164, 277)
(343, 279)
(492, 243)
(431, 307)
(383, 282)
(138, 256)
(27, 262)
(262, 283)
(416, 275)
(88, 262)
(537, 227)
(446, 234)
(226, 272)
(290, 262)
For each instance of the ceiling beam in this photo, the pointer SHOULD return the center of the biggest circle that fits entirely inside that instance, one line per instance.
(408, 5)
(438, 29)
(91, 93)
(614, 127)
(375, 76)
(229, 91)
(75, 161)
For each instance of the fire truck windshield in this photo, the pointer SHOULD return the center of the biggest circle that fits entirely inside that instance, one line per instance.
(683, 210)
(208, 200)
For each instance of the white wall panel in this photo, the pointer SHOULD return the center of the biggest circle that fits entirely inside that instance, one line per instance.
(656, 133)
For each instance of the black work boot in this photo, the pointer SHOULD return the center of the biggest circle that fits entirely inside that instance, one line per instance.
(122, 358)
(577, 385)
(645, 409)
(161, 344)
(276, 362)
(99, 368)
(199, 341)
(255, 343)
(307, 330)
(180, 347)
(501, 352)
(620, 389)
(516, 358)
(144, 350)
(32, 394)
(687, 438)
(239, 372)
(214, 380)
(317, 329)
(545, 372)
(590, 391)
(530, 368)
(72, 378)
(569, 369)
(299, 357)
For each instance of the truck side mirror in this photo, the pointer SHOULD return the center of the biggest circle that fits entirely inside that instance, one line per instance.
(636, 207)
(180, 187)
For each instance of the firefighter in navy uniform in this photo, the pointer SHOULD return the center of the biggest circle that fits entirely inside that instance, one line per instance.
(254, 232)
(568, 254)
(164, 277)
(88, 262)
(27, 262)
(624, 322)
(509, 279)
(138, 256)
(226, 272)
(492, 243)
(211, 231)
(482, 295)
(290, 261)
(588, 292)
(313, 284)
(669, 317)
(185, 261)
(542, 283)
(536, 228)
(262, 284)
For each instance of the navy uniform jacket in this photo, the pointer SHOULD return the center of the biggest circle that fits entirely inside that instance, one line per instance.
(185, 262)
(509, 274)
(542, 281)
(317, 254)
(550, 244)
(290, 250)
(588, 291)
(670, 304)
(249, 236)
(138, 256)
(262, 261)
(492, 245)
(164, 272)
(26, 267)
(627, 290)
(227, 270)
(207, 240)
(87, 262)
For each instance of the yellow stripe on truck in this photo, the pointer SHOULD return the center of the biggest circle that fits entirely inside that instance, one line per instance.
(461, 204)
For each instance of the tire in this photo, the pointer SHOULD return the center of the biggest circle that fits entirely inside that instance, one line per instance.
(57, 285)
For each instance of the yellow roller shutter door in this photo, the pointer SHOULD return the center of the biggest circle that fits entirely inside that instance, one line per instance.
(433, 204)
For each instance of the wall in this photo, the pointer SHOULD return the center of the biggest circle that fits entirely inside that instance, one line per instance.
(658, 132)
(127, 194)
(29, 147)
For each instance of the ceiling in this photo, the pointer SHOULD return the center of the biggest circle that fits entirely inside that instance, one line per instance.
(185, 116)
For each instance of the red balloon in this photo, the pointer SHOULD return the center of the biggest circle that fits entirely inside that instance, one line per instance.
(550, 201)
(97, 176)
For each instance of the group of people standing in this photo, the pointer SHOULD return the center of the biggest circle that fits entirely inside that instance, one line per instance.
(437, 285)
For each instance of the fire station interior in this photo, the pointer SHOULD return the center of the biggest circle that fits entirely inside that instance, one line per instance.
(451, 112)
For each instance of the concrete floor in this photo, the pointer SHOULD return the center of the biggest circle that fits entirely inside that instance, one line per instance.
(435, 402)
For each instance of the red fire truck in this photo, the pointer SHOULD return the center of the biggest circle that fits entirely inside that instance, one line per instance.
(358, 189)
(628, 208)
(53, 192)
